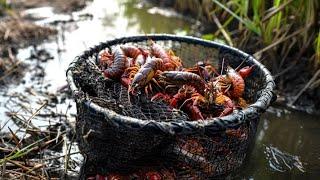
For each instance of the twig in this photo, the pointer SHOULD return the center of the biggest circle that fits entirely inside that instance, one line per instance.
(21, 166)
(28, 121)
(23, 174)
(37, 111)
(57, 157)
(281, 40)
(224, 33)
(315, 84)
(67, 157)
(314, 77)
(275, 11)
(15, 137)
(10, 71)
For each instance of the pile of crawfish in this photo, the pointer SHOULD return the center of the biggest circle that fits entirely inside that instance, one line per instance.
(200, 91)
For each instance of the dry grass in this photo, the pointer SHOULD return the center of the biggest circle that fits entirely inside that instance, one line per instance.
(31, 150)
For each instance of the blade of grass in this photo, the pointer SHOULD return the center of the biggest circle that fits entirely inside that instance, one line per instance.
(317, 49)
(280, 41)
(272, 25)
(276, 10)
(226, 23)
(257, 7)
(248, 23)
(21, 152)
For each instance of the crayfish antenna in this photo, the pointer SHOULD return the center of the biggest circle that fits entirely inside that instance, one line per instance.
(222, 66)
(237, 68)
(129, 97)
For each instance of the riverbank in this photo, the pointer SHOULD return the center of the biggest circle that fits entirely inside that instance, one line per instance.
(36, 129)
(38, 108)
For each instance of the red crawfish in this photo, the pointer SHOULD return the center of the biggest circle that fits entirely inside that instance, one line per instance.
(237, 80)
(193, 110)
(183, 78)
(246, 71)
(226, 102)
(184, 99)
(153, 175)
(105, 58)
(204, 70)
(162, 96)
(137, 54)
(145, 74)
(170, 61)
(128, 75)
(118, 66)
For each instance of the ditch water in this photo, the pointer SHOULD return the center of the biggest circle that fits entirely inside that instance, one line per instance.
(287, 143)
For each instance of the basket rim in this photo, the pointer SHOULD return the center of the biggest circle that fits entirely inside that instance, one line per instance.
(209, 126)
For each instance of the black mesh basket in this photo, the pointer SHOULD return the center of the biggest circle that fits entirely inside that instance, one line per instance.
(115, 134)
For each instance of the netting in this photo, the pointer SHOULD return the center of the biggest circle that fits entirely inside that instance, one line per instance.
(120, 133)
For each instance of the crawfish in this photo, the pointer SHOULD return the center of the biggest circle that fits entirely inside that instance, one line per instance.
(204, 70)
(226, 102)
(105, 58)
(170, 61)
(185, 99)
(162, 96)
(240, 102)
(128, 75)
(245, 71)
(145, 74)
(153, 175)
(183, 78)
(118, 66)
(237, 82)
(190, 96)
(193, 111)
(137, 54)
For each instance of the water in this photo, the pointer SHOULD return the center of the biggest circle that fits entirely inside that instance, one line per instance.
(287, 144)
(295, 135)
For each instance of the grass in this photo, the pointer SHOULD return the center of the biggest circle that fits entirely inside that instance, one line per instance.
(283, 34)
(267, 22)
(4, 7)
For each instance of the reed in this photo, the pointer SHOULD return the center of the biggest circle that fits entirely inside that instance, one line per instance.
(278, 30)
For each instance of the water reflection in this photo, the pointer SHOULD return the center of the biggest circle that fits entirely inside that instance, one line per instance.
(146, 21)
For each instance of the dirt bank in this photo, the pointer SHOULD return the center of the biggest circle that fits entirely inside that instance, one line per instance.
(17, 33)
(60, 6)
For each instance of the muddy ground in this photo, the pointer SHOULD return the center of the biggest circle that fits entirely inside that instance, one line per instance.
(28, 149)
(50, 154)
(60, 6)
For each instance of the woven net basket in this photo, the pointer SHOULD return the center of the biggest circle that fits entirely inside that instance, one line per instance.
(115, 134)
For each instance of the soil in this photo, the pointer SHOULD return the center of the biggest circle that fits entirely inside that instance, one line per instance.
(60, 6)
(15, 34)
(18, 32)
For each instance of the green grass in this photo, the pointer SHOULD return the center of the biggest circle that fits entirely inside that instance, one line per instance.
(21, 152)
(4, 7)
(317, 49)
(280, 29)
